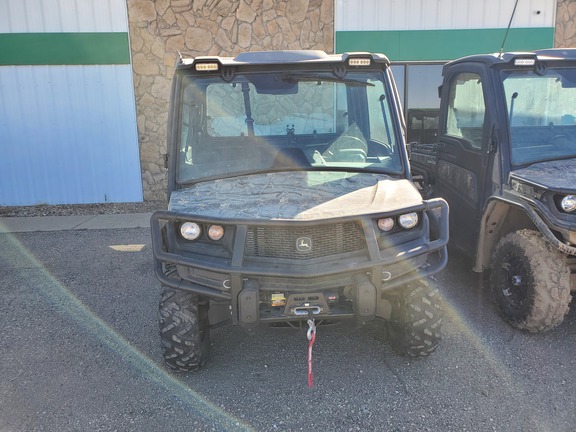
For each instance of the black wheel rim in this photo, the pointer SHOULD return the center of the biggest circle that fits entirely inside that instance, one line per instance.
(515, 283)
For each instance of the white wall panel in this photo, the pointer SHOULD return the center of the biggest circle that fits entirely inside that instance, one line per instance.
(37, 16)
(441, 14)
(68, 135)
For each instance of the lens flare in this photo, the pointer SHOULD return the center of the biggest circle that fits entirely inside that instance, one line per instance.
(14, 254)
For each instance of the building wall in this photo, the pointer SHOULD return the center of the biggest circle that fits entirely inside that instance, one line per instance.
(424, 30)
(67, 112)
(40, 57)
(50, 50)
(161, 28)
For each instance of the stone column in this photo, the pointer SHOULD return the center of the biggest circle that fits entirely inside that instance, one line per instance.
(565, 33)
(161, 28)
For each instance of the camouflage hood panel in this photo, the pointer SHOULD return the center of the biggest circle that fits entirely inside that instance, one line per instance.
(558, 174)
(295, 196)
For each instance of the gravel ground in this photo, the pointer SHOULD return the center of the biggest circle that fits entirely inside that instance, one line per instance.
(80, 351)
(82, 209)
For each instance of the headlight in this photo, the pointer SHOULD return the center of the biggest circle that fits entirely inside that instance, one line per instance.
(215, 232)
(190, 230)
(569, 203)
(386, 224)
(408, 220)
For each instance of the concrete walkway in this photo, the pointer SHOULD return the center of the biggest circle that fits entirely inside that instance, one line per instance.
(66, 223)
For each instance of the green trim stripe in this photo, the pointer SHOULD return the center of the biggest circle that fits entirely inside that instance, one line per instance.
(427, 45)
(64, 49)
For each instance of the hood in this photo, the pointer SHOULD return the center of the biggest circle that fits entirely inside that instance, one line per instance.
(559, 175)
(295, 196)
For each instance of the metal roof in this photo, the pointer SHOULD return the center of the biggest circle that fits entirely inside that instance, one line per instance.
(283, 57)
(562, 54)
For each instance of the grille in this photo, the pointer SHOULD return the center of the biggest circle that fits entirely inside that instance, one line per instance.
(322, 241)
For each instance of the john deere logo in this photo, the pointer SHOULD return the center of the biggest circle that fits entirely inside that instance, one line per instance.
(304, 244)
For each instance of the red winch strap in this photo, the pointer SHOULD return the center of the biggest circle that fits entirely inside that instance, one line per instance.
(311, 339)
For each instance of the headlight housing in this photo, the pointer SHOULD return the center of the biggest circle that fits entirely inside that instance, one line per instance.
(215, 232)
(386, 224)
(190, 230)
(568, 203)
(408, 220)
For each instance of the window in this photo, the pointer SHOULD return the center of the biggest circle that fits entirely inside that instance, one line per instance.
(262, 122)
(466, 109)
(542, 114)
(309, 110)
(380, 131)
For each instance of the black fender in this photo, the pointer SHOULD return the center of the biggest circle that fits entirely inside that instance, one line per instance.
(487, 237)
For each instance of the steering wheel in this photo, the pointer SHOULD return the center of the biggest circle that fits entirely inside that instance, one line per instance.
(347, 148)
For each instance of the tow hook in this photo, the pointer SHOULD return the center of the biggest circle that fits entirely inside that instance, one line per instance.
(307, 309)
(303, 304)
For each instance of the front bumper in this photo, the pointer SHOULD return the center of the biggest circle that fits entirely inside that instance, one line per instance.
(239, 276)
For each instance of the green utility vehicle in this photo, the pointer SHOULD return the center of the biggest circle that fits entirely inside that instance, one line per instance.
(291, 201)
(505, 160)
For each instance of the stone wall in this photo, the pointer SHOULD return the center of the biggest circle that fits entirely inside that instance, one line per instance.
(565, 34)
(161, 28)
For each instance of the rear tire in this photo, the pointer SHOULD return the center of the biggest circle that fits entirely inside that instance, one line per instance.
(184, 332)
(530, 281)
(415, 327)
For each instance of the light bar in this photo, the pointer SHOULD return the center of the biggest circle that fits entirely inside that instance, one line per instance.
(206, 67)
(524, 62)
(359, 62)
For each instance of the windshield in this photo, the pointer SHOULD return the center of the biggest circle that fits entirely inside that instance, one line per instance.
(283, 121)
(542, 111)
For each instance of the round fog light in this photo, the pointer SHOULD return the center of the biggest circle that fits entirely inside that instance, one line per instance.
(569, 203)
(408, 220)
(386, 224)
(190, 230)
(215, 232)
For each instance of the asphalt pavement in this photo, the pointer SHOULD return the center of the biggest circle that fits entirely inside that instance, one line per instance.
(79, 350)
